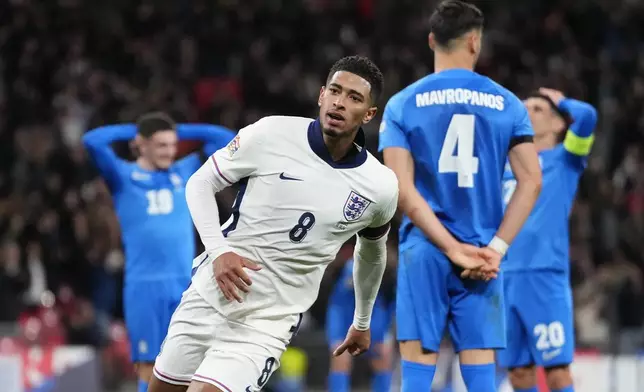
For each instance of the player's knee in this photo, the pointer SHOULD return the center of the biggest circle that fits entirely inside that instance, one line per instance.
(558, 377)
(523, 377)
(413, 351)
(144, 371)
(476, 357)
(382, 357)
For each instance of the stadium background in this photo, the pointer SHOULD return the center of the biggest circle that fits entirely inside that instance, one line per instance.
(70, 65)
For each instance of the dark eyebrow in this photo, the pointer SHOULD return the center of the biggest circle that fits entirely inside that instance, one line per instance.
(350, 90)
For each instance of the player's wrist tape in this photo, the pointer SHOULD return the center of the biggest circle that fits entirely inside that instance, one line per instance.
(362, 322)
(499, 245)
(361, 325)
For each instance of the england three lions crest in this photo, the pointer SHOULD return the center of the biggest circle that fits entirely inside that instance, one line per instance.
(355, 206)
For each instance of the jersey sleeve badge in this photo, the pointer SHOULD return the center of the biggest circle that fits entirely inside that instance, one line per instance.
(233, 146)
(355, 206)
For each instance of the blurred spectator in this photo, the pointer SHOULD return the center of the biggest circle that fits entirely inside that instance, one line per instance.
(14, 282)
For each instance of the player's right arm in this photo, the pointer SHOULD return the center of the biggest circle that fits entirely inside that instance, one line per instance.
(370, 262)
(397, 156)
(524, 162)
(98, 142)
(580, 136)
(238, 160)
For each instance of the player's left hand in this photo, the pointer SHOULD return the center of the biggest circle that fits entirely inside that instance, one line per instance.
(356, 342)
(555, 95)
(466, 256)
(230, 275)
(474, 253)
(490, 270)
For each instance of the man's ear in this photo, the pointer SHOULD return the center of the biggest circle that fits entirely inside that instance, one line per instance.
(371, 113)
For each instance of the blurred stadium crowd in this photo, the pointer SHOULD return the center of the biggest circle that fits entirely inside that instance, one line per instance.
(70, 65)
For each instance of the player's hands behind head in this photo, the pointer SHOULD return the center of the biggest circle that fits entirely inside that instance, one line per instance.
(356, 342)
(134, 148)
(230, 274)
(555, 96)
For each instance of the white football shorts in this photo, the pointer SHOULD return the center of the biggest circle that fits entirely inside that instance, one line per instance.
(203, 345)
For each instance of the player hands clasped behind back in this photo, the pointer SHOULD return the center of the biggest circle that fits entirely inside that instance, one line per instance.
(538, 296)
(447, 137)
(156, 228)
(306, 186)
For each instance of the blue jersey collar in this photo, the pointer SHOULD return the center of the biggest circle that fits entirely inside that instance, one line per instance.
(455, 72)
(356, 157)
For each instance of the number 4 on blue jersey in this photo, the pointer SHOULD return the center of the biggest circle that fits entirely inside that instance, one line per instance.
(458, 127)
(460, 137)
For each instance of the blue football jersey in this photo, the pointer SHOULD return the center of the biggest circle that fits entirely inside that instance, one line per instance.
(458, 126)
(156, 225)
(543, 241)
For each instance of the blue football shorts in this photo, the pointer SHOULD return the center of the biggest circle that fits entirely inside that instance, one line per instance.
(148, 308)
(431, 296)
(539, 319)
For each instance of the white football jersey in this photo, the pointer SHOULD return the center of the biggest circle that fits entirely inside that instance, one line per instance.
(294, 210)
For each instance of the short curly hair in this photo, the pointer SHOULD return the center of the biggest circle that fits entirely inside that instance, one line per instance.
(364, 68)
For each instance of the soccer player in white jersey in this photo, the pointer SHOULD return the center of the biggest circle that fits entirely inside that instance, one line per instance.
(306, 186)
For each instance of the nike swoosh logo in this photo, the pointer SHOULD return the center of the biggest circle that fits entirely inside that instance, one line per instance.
(284, 177)
(550, 355)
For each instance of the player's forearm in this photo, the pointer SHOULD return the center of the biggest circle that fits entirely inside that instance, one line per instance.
(210, 148)
(202, 203)
(98, 142)
(370, 260)
(422, 216)
(104, 136)
(214, 137)
(584, 115)
(206, 133)
(519, 208)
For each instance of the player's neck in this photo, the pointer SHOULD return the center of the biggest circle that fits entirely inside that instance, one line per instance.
(338, 147)
(145, 164)
(444, 61)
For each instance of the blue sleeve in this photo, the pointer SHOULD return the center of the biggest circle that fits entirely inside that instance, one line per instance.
(580, 138)
(214, 136)
(98, 144)
(522, 124)
(583, 114)
(392, 132)
(189, 164)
